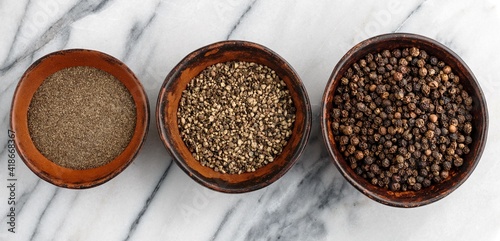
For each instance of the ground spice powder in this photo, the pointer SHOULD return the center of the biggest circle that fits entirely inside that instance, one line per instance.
(81, 117)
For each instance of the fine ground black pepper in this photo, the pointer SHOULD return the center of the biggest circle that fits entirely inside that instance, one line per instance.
(402, 119)
(236, 117)
(81, 117)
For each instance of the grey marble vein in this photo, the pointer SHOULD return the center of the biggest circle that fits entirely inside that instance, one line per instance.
(137, 31)
(80, 10)
(75, 196)
(298, 218)
(148, 202)
(222, 224)
(49, 203)
(409, 16)
(247, 10)
(18, 29)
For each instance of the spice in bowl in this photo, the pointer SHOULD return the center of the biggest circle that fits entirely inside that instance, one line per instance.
(236, 117)
(81, 117)
(401, 119)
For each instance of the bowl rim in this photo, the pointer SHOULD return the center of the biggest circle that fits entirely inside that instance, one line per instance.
(169, 143)
(483, 132)
(25, 146)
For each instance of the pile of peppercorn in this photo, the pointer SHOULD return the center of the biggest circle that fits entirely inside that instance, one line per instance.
(402, 119)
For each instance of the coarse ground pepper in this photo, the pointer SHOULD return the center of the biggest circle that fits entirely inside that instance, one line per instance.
(236, 117)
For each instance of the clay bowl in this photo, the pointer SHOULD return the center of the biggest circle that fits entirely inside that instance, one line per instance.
(29, 83)
(480, 120)
(190, 67)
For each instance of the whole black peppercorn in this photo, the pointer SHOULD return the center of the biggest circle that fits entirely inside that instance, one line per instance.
(382, 130)
(403, 62)
(440, 64)
(429, 134)
(396, 178)
(363, 146)
(444, 174)
(387, 144)
(359, 155)
(435, 167)
(420, 179)
(393, 169)
(437, 178)
(437, 132)
(417, 154)
(399, 159)
(460, 138)
(395, 186)
(414, 52)
(386, 163)
(354, 141)
(468, 140)
(452, 128)
(351, 149)
(446, 165)
(347, 130)
(419, 123)
(458, 162)
(397, 76)
(375, 168)
(344, 140)
(426, 182)
(391, 131)
(433, 60)
(467, 128)
(411, 181)
(422, 72)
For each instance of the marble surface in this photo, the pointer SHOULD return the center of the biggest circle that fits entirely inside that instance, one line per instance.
(154, 200)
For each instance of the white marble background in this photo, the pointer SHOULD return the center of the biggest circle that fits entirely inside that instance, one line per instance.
(154, 200)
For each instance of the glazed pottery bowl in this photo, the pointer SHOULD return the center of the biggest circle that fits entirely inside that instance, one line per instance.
(28, 85)
(479, 112)
(190, 67)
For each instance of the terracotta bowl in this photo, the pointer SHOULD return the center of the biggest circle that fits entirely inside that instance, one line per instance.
(480, 120)
(190, 67)
(29, 83)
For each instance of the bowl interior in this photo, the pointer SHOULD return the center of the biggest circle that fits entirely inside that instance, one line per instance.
(29, 83)
(479, 113)
(189, 68)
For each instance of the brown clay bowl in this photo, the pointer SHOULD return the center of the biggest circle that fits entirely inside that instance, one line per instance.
(480, 120)
(29, 83)
(190, 67)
